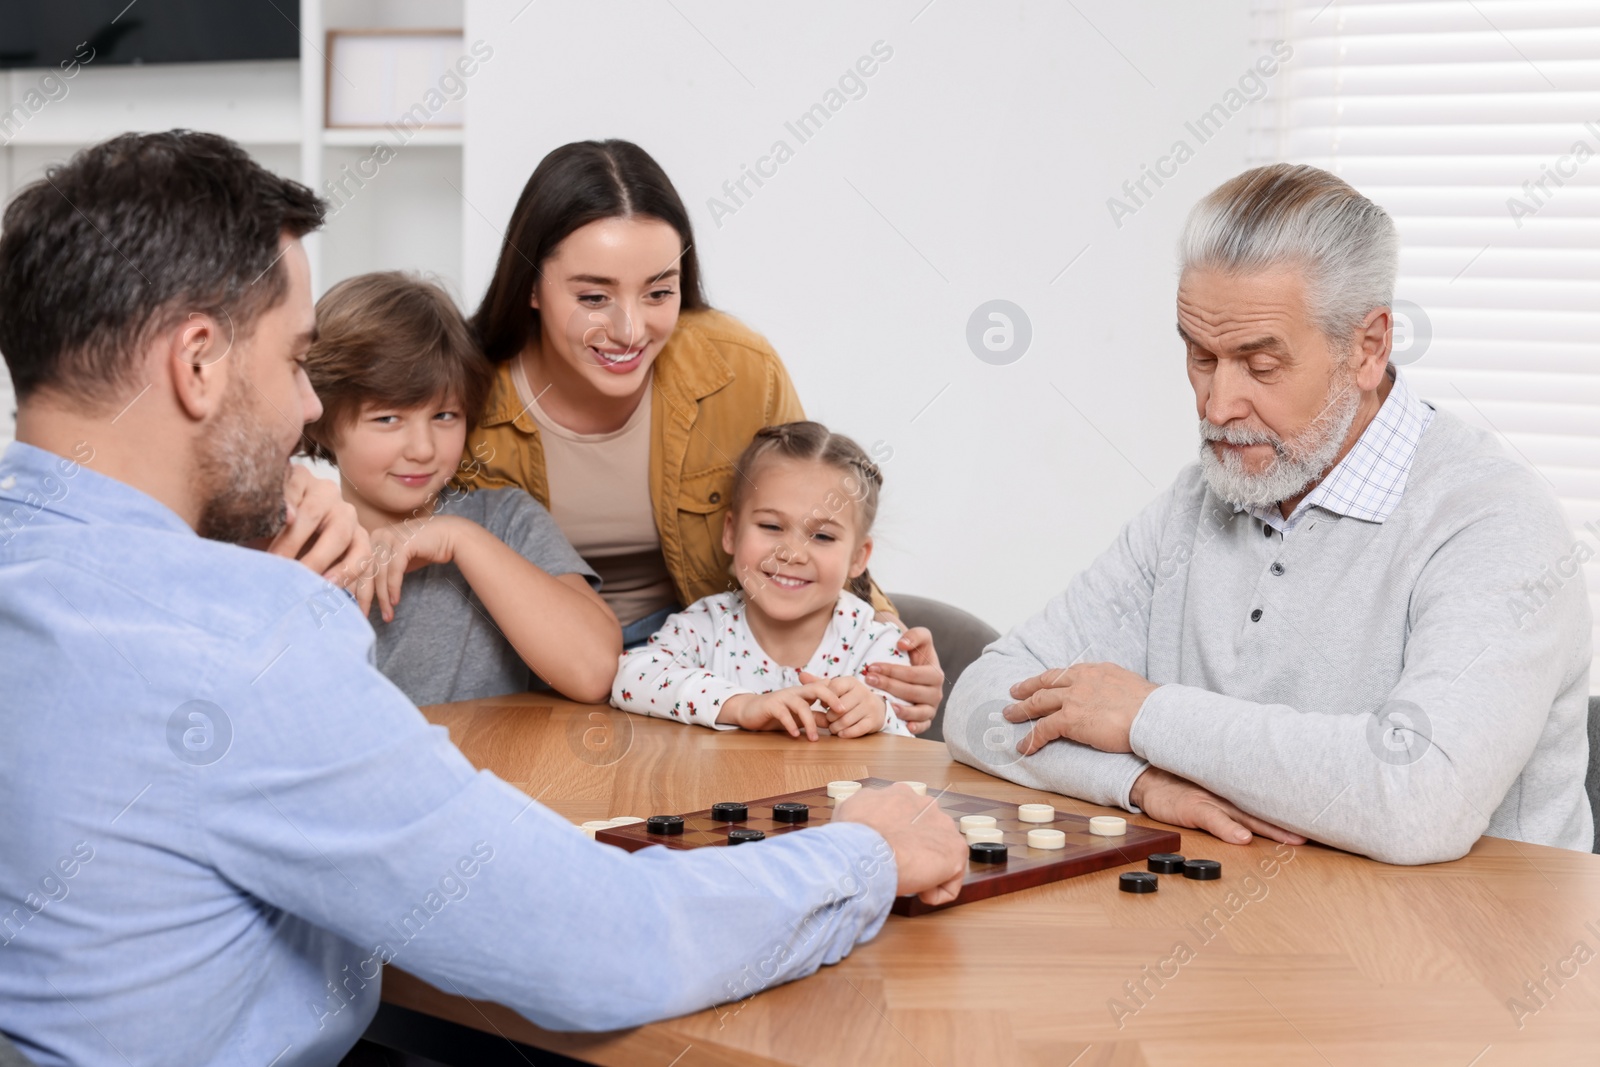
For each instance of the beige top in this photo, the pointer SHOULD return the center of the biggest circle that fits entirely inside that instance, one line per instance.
(600, 498)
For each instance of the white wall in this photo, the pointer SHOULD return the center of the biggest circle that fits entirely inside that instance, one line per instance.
(977, 166)
(395, 221)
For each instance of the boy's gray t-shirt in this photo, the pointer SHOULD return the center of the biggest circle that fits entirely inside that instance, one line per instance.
(442, 644)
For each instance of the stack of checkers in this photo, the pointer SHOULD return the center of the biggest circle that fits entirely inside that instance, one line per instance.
(1168, 863)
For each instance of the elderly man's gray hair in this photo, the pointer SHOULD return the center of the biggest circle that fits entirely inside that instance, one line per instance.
(1294, 215)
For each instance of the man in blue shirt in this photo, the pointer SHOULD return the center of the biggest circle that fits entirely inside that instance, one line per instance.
(220, 818)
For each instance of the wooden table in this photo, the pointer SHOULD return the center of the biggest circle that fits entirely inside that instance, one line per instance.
(1298, 955)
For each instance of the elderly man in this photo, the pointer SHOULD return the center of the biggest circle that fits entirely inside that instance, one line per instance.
(1322, 629)
(221, 819)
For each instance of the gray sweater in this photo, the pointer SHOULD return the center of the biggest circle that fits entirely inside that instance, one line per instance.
(1406, 687)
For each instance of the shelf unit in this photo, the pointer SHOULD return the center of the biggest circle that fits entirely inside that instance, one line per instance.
(416, 221)
(409, 219)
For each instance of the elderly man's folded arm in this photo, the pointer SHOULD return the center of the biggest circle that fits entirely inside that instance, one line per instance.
(1102, 616)
(1484, 679)
(978, 736)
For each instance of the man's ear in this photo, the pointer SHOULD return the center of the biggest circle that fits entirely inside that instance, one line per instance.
(858, 562)
(1373, 341)
(194, 353)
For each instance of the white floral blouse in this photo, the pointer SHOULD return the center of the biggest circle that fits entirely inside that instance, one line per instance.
(706, 653)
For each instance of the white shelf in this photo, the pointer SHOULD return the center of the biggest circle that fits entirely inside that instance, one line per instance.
(408, 225)
(255, 102)
(367, 136)
(275, 108)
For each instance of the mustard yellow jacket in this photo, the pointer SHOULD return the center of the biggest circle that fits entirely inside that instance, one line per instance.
(716, 383)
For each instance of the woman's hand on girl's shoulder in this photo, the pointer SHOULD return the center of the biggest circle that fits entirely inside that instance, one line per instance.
(919, 684)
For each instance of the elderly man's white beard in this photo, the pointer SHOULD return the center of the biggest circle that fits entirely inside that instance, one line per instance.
(1297, 463)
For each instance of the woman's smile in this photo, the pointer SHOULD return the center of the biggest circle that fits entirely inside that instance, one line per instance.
(619, 361)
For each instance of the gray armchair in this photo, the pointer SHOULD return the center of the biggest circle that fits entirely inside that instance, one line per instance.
(958, 636)
(1593, 781)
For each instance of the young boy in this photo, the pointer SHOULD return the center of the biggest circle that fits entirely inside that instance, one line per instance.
(473, 590)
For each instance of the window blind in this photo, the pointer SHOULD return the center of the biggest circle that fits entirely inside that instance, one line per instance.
(1476, 125)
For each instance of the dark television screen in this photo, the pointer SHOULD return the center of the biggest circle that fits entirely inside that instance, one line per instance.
(43, 33)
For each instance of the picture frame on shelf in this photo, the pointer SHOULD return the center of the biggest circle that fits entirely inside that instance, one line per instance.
(383, 77)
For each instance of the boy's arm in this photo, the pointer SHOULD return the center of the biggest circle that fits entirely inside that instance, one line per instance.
(668, 678)
(560, 627)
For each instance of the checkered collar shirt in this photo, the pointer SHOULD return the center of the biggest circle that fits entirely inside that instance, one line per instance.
(1368, 483)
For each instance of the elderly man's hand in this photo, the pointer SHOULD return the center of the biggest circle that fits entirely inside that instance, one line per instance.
(1179, 802)
(1093, 704)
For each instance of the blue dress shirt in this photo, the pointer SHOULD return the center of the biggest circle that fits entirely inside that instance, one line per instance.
(219, 820)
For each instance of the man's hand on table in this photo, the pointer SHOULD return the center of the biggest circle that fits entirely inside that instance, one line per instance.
(920, 685)
(1177, 801)
(1093, 704)
(321, 531)
(930, 855)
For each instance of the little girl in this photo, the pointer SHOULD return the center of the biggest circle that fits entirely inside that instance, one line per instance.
(800, 631)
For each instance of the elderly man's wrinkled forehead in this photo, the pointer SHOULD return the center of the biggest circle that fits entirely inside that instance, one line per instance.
(1240, 314)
